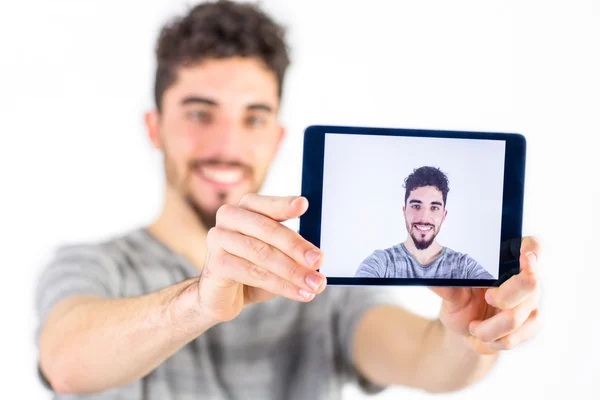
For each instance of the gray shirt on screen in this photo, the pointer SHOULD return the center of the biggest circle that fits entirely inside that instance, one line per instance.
(397, 262)
(279, 349)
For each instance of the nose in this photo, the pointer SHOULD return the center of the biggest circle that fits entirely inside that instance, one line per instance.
(424, 215)
(227, 139)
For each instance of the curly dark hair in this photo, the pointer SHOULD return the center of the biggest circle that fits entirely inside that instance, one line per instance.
(220, 29)
(427, 176)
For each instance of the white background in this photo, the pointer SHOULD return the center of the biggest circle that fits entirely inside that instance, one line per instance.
(363, 195)
(75, 78)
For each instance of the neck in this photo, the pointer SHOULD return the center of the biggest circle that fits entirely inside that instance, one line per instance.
(178, 228)
(424, 256)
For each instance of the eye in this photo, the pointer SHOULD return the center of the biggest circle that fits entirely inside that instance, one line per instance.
(199, 116)
(416, 206)
(435, 208)
(255, 121)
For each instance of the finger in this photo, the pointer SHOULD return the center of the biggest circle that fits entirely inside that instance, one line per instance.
(530, 253)
(270, 258)
(503, 323)
(454, 298)
(514, 291)
(527, 331)
(236, 269)
(271, 232)
(278, 208)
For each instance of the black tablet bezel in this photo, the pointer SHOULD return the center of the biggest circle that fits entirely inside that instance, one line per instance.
(512, 200)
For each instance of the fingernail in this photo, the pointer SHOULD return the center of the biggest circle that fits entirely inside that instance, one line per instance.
(312, 256)
(295, 201)
(306, 294)
(532, 258)
(472, 329)
(314, 281)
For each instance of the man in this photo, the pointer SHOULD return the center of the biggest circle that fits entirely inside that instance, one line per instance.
(421, 256)
(217, 299)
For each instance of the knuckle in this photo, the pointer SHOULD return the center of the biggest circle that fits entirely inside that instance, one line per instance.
(512, 321)
(530, 281)
(501, 302)
(261, 250)
(257, 272)
(297, 245)
(532, 244)
(509, 342)
(212, 236)
(221, 260)
(294, 272)
(246, 200)
(224, 212)
(485, 337)
(284, 286)
(268, 226)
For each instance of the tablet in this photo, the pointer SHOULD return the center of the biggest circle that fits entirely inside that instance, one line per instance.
(413, 206)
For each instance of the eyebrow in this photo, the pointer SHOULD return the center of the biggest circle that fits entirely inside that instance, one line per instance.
(413, 201)
(198, 100)
(210, 102)
(259, 106)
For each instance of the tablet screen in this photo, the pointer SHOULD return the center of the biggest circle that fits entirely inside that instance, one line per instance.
(411, 207)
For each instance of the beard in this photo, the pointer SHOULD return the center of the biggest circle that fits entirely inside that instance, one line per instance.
(418, 238)
(208, 218)
(421, 244)
(205, 215)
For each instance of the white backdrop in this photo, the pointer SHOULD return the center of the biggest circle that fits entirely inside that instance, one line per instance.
(76, 76)
(363, 195)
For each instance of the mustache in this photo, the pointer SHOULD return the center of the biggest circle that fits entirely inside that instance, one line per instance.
(424, 223)
(196, 164)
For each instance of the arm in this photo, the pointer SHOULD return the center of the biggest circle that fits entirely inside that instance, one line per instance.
(93, 340)
(372, 267)
(89, 344)
(396, 347)
(393, 346)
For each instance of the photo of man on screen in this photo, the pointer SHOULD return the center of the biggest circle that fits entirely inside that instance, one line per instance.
(420, 255)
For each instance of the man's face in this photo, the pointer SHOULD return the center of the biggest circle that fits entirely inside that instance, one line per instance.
(218, 131)
(424, 214)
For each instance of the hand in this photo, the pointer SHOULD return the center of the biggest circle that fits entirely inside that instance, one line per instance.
(252, 257)
(499, 318)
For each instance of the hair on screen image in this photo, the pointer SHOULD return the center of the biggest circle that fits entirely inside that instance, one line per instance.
(427, 176)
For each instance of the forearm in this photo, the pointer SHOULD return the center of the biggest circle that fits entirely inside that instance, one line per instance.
(91, 344)
(447, 362)
(396, 347)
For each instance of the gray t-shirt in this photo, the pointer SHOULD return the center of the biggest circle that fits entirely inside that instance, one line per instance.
(397, 262)
(279, 349)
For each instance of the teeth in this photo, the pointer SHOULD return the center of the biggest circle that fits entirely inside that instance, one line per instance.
(423, 227)
(222, 176)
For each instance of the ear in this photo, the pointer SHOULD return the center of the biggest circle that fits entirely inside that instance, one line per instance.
(281, 134)
(445, 213)
(152, 121)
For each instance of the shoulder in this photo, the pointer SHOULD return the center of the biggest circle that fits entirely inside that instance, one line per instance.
(458, 258)
(105, 250)
(391, 252)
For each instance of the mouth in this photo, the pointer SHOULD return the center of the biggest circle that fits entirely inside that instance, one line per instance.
(423, 228)
(222, 176)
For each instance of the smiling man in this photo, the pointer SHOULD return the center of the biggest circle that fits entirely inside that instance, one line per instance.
(421, 256)
(216, 298)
